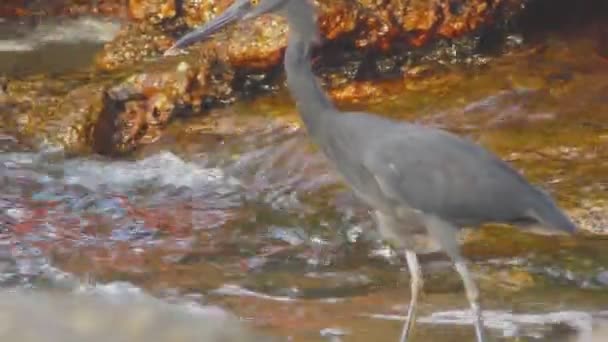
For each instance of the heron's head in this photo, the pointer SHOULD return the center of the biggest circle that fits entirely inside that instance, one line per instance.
(239, 10)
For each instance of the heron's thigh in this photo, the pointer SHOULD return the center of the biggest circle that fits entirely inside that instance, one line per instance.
(405, 231)
(387, 226)
(446, 235)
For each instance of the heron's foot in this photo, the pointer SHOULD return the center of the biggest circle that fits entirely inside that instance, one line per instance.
(479, 330)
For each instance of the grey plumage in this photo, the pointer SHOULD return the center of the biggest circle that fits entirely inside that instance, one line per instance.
(422, 183)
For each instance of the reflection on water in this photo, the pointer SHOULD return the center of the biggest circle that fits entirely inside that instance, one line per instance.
(582, 326)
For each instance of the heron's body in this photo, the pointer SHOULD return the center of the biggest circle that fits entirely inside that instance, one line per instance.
(406, 170)
(437, 174)
(422, 183)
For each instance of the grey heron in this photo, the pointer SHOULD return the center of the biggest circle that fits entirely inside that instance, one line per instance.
(423, 184)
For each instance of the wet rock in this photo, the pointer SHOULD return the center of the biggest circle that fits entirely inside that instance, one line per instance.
(152, 10)
(367, 25)
(54, 114)
(76, 119)
(118, 113)
(199, 11)
(148, 100)
(134, 43)
(258, 45)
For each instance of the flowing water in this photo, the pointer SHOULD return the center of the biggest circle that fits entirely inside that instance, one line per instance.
(237, 213)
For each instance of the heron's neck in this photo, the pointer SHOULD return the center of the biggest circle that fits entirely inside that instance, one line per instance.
(311, 101)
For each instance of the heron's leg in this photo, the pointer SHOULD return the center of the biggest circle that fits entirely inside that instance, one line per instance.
(472, 295)
(393, 229)
(446, 234)
(416, 283)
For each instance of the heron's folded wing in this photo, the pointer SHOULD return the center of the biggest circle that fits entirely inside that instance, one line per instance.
(444, 175)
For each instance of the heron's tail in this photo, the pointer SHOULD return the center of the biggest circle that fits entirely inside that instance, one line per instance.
(551, 216)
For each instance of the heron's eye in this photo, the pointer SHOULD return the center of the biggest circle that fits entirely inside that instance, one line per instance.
(254, 2)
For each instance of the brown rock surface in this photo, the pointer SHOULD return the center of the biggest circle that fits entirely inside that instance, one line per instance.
(149, 99)
(54, 114)
(363, 23)
(362, 27)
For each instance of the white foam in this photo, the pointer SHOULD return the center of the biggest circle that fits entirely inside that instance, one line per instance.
(120, 292)
(125, 292)
(84, 29)
(161, 169)
(16, 46)
(235, 290)
(510, 323)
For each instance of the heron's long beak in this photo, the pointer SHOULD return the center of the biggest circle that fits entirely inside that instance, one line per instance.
(230, 15)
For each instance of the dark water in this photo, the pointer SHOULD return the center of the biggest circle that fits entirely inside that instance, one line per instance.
(250, 219)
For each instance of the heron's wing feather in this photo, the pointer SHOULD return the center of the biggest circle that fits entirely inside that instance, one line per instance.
(437, 172)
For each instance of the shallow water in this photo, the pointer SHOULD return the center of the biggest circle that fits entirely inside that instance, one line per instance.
(52, 45)
(247, 215)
